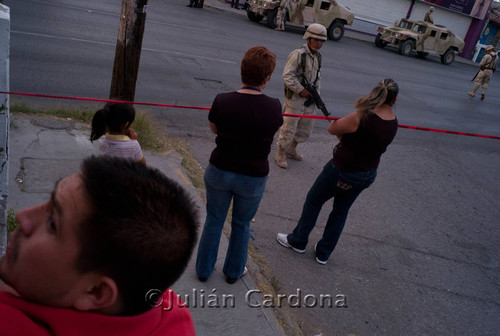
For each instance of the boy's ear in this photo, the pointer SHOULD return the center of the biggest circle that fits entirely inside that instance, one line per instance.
(101, 295)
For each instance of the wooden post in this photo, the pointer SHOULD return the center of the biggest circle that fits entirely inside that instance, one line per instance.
(128, 49)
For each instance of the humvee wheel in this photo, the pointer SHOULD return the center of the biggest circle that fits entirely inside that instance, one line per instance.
(406, 47)
(379, 42)
(448, 57)
(335, 31)
(254, 16)
(271, 18)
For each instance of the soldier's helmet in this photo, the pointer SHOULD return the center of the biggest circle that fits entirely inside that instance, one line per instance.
(431, 9)
(489, 48)
(317, 31)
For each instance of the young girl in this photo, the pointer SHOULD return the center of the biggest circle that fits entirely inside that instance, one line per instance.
(111, 125)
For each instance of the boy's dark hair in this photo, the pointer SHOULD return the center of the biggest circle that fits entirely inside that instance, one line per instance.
(257, 64)
(142, 229)
(111, 118)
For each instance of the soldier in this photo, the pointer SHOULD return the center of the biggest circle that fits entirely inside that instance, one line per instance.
(280, 17)
(428, 16)
(304, 60)
(487, 66)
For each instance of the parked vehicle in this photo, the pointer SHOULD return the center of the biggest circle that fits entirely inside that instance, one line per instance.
(329, 13)
(423, 37)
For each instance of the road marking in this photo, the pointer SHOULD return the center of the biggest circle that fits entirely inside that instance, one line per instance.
(90, 10)
(176, 53)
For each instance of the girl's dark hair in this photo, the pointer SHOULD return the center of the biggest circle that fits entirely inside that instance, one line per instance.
(111, 118)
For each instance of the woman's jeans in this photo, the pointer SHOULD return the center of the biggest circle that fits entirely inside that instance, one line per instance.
(245, 192)
(345, 188)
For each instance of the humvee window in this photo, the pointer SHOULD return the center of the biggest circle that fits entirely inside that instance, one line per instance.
(433, 33)
(443, 36)
(419, 28)
(325, 5)
(310, 3)
(405, 24)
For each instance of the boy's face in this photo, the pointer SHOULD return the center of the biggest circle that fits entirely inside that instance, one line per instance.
(40, 259)
(315, 44)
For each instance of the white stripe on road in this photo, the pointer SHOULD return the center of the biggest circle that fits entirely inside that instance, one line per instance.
(176, 53)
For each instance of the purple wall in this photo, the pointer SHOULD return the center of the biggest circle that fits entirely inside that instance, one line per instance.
(473, 34)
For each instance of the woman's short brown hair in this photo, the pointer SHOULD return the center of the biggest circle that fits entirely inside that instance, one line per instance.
(257, 64)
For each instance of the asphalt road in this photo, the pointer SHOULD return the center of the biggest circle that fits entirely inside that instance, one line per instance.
(66, 47)
(419, 254)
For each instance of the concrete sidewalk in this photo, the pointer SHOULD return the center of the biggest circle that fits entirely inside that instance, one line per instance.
(44, 150)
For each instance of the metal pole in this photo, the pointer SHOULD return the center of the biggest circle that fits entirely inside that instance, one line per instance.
(410, 9)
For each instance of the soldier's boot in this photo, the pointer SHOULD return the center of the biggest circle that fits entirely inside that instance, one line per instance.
(292, 152)
(281, 157)
(473, 92)
(482, 96)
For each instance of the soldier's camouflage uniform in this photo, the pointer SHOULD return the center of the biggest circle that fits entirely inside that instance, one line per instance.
(280, 17)
(487, 66)
(428, 17)
(298, 129)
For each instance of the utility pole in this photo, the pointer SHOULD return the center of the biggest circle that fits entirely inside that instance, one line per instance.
(128, 49)
(410, 9)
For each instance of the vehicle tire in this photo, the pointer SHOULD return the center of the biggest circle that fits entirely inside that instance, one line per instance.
(336, 31)
(254, 16)
(448, 57)
(379, 42)
(271, 18)
(406, 48)
(421, 54)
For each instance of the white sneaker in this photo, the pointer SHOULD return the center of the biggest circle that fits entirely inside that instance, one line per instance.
(317, 260)
(283, 240)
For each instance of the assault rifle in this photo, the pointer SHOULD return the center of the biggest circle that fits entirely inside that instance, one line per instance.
(314, 97)
(477, 73)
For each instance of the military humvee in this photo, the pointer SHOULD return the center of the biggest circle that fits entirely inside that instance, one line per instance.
(329, 13)
(421, 36)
